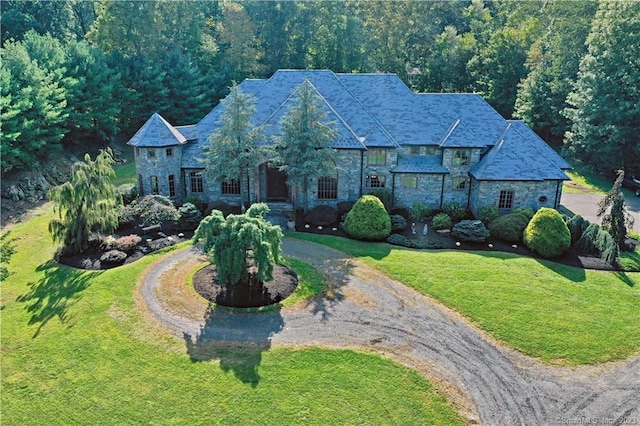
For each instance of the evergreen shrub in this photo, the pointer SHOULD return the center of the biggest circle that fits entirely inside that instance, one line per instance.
(509, 227)
(488, 214)
(547, 234)
(441, 221)
(419, 212)
(470, 230)
(385, 196)
(190, 217)
(455, 211)
(368, 220)
(398, 223)
(417, 243)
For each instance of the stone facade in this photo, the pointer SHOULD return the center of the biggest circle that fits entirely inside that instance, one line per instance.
(525, 194)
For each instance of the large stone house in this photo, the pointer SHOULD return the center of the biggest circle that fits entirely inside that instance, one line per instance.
(426, 148)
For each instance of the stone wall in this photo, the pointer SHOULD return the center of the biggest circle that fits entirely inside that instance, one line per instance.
(160, 166)
(349, 167)
(428, 191)
(526, 194)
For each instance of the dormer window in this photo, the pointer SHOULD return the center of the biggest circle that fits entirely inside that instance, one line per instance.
(415, 150)
(461, 157)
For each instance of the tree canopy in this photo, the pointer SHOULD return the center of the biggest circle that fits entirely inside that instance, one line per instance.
(77, 71)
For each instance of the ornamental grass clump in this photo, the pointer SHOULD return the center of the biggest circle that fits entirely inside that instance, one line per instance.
(368, 220)
(547, 233)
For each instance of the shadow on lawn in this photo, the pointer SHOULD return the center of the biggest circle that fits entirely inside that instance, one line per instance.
(236, 338)
(55, 293)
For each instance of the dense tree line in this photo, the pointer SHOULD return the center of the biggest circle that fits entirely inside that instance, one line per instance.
(79, 72)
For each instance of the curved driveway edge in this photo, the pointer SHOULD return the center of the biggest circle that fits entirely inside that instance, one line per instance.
(363, 309)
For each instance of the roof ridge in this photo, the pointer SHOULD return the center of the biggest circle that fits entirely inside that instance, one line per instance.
(452, 127)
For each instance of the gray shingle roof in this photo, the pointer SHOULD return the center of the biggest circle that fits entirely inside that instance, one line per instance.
(518, 156)
(157, 132)
(420, 165)
(379, 110)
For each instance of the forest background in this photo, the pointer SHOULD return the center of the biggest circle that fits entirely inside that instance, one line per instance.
(86, 74)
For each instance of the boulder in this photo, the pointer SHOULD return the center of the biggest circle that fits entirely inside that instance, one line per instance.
(113, 257)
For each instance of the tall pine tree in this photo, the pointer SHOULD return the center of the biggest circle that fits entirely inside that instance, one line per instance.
(304, 149)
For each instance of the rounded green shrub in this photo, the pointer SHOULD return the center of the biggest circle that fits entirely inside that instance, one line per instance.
(441, 221)
(547, 234)
(190, 217)
(488, 214)
(368, 220)
(509, 227)
(470, 230)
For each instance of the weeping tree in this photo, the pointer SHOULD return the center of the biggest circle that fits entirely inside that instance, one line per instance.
(304, 149)
(87, 205)
(615, 217)
(233, 151)
(232, 241)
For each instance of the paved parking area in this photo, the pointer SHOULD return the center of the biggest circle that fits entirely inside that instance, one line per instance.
(586, 205)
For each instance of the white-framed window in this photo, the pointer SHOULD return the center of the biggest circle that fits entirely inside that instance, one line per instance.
(377, 157)
(375, 181)
(459, 182)
(197, 183)
(410, 181)
(461, 157)
(505, 200)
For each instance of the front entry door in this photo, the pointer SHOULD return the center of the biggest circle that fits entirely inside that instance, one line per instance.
(277, 190)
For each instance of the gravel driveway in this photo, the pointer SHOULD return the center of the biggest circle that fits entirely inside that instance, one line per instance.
(364, 309)
(586, 205)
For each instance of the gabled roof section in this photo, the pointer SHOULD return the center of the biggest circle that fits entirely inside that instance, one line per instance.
(157, 132)
(190, 132)
(346, 138)
(517, 157)
(461, 137)
(420, 165)
(540, 144)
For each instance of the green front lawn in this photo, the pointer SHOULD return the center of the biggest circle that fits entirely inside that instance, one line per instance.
(558, 313)
(76, 350)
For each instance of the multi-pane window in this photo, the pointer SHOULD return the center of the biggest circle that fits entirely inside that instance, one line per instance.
(172, 185)
(377, 157)
(431, 150)
(327, 188)
(154, 184)
(461, 157)
(168, 152)
(459, 182)
(197, 184)
(505, 201)
(410, 181)
(415, 150)
(151, 153)
(231, 187)
(375, 181)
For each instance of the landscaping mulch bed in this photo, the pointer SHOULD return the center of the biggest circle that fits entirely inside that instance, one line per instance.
(255, 294)
(440, 240)
(150, 242)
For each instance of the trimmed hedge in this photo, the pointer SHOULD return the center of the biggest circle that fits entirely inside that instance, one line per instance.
(368, 220)
(509, 227)
(417, 243)
(547, 234)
